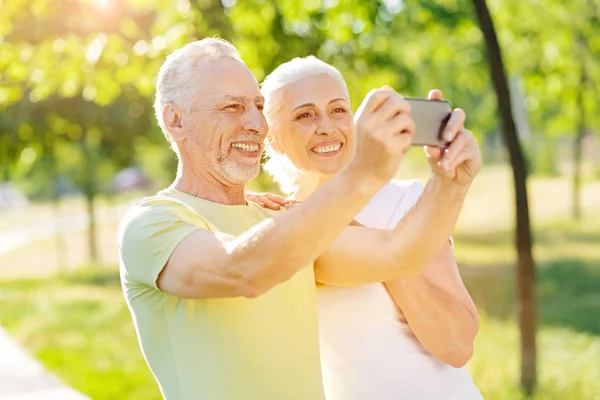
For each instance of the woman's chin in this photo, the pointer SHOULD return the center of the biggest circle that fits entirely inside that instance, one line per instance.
(329, 166)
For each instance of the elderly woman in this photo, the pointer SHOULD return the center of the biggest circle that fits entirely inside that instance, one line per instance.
(406, 338)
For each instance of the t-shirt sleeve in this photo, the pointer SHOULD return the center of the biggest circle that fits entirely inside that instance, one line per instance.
(408, 193)
(147, 236)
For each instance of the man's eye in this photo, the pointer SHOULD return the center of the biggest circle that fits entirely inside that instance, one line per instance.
(339, 110)
(260, 107)
(235, 107)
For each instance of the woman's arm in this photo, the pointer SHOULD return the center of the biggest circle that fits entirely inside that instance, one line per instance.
(363, 255)
(439, 309)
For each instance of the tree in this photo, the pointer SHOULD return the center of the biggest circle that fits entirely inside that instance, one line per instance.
(86, 80)
(553, 49)
(525, 263)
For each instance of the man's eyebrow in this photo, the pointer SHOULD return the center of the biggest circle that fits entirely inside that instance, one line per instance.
(239, 99)
(313, 104)
(242, 99)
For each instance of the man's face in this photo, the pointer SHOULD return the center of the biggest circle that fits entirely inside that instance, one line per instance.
(226, 130)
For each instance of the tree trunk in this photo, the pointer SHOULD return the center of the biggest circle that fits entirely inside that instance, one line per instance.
(579, 139)
(577, 159)
(525, 264)
(90, 195)
(6, 172)
(61, 250)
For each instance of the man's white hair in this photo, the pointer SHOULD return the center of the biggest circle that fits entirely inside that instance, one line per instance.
(178, 81)
(278, 165)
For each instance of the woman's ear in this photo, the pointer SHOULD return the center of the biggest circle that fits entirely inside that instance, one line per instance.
(274, 145)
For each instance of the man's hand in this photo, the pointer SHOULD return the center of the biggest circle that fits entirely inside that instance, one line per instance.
(461, 161)
(270, 201)
(384, 131)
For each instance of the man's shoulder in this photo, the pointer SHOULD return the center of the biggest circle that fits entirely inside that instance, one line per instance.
(155, 205)
(154, 209)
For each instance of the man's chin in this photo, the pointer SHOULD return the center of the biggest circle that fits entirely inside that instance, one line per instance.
(241, 174)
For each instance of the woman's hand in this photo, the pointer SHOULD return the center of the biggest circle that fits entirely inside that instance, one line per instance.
(269, 201)
(461, 161)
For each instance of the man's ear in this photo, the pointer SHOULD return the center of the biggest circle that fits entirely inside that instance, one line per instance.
(172, 119)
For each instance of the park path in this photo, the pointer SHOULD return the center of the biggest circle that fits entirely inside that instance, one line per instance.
(21, 236)
(23, 378)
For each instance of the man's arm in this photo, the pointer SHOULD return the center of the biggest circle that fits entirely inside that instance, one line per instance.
(439, 310)
(365, 255)
(208, 265)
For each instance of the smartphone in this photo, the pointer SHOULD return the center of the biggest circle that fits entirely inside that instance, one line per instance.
(431, 117)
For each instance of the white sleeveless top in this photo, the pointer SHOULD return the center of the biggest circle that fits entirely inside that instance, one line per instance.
(368, 351)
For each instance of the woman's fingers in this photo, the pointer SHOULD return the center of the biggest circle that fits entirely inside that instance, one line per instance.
(282, 201)
(452, 152)
(434, 94)
(463, 148)
(270, 201)
(455, 124)
(433, 153)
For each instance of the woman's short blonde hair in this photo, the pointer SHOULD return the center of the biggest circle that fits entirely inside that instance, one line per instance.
(279, 165)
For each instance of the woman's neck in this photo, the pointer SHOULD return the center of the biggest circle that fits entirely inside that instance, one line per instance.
(308, 183)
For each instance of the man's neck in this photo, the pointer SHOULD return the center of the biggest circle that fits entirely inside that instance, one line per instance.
(201, 183)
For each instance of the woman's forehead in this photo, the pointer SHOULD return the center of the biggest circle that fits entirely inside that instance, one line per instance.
(313, 89)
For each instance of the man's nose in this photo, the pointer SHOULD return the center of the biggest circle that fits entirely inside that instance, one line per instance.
(256, 122)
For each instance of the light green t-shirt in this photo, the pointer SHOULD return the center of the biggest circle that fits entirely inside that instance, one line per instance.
(264, 348)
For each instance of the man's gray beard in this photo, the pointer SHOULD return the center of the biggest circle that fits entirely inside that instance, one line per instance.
(237, 172)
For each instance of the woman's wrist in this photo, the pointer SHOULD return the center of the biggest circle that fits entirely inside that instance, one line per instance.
(449, 187)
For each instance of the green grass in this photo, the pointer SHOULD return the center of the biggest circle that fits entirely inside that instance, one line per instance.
(81, 330)
(569, 335)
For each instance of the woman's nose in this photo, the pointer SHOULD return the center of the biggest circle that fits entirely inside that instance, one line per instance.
(326, 127)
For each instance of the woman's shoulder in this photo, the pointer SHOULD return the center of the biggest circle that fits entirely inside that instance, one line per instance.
(402, 188)
(405, 184)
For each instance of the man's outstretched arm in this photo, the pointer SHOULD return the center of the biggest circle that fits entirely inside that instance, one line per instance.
(207, 265)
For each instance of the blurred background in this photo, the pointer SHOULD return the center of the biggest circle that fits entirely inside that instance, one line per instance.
(79, 143)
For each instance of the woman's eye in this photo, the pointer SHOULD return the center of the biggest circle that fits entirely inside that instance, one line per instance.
(304, 115)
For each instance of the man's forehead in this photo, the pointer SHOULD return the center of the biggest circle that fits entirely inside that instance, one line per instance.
(227, 77)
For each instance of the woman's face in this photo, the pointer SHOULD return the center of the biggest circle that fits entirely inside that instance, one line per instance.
(313, 125)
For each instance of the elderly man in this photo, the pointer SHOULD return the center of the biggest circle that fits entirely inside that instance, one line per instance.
(222, 293)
